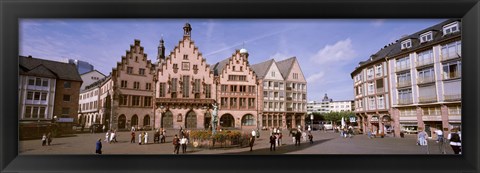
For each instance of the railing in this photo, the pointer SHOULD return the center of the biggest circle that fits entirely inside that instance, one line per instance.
(404, 83)
(405, 101)
(425, 62)
(422, 80)
(188, 101)
(427, 99)
(380, 90)
(450, 56)
(401, 68)
(453, 75)
(452, 97)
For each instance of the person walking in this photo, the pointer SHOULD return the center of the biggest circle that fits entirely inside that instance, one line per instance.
(439, 133)
(176, 144)
(112, 137)
(184, 142)
(132, 140)
(98, 148)
(103, 128)
(276, 139)
(422, 138)
(455, 139)
(310, 137)
(107, 136)
(251, 141)
(44, 139)
(272, 142)
(297, 138)
(140, 138)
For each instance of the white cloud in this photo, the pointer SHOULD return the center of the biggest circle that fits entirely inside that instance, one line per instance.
(378, 22)
(315, 77)
(341, 51)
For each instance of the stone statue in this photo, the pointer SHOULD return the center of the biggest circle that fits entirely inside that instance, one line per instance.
(214, 118)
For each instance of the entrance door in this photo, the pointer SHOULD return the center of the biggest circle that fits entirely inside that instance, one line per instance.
(167, 120)
(121, 121)
(427, 130)
(191, 120)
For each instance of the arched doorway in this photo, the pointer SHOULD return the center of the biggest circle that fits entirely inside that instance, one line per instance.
(121, 121)
(227, 120)
(207, 120)
(248, 120)
(146, 120)
(167, 120)
(191, 120)
(134, 121)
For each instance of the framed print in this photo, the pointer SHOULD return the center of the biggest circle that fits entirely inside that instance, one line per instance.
(373, 85)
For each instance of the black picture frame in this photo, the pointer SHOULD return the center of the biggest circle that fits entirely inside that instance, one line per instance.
(11, 11)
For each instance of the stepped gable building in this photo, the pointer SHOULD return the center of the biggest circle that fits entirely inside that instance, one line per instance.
(421, 86)
(283, 90)
(185, 87)
(46, 89)
(127, 94)
(237, 92)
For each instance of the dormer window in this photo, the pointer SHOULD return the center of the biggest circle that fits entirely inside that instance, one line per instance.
(451, 28)
(428, 36)
(406, 44)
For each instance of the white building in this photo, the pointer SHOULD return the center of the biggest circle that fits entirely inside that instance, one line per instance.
(90, 78)
(328, 105)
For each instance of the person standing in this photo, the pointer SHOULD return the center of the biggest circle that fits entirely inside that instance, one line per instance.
(297, 138)
(103, 129)
(439, 133)
(176, 144)
(183, 143)
(132, 140)
(310, 137)
(112, 137)
(49, 138)
(44, 139)
(107, 136)
(146, 138)
(140, 138)
(422, 138)
(455, 139)
(98, 148)
(272, 142)
(254, 134)
(276, 139)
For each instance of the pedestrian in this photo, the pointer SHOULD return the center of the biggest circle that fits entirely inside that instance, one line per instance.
(133, 129)
(297, 138)
(49, 138)
(164, 135)
(107, 136)
(156, 136)
(44, 139)
(140, 138)
(112, 137)
(439, 133)
(369, 134)
(98, 148)
(455, 139)
(350, 131)
(272, 142)
(132, 140)
(183, 143)
(176, 144)
(251, 141)
(422, 138)
(103, 129)
(310, 137)
(146, 138)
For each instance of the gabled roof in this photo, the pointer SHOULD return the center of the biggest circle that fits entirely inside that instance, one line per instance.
(40, 71)
(93, 71)
(285, 66)
(218, 68)
(64, 71)
(262, 68)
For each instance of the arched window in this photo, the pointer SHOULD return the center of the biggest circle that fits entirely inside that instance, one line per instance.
(146, 120)
(134, 120)
(248, 120)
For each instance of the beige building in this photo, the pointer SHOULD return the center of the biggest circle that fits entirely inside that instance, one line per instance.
(184, 84)
(283, 93)
(126, 95)
(236, 92)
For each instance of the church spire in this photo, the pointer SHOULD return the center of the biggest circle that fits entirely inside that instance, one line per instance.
(161, 50)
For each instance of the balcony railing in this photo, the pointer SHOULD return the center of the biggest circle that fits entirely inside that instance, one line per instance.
(423, 80)
(452, 97)
(401, 68)
(404, 83)
(405, 101)
(425, 62)
(427, 99)
(450, 56)
(380, 90)
(452, 75)
(188, 101)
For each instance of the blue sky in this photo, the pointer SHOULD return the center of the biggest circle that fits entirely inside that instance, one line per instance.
(328, 49)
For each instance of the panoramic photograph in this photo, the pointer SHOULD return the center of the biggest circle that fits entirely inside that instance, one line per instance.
(239, 87)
